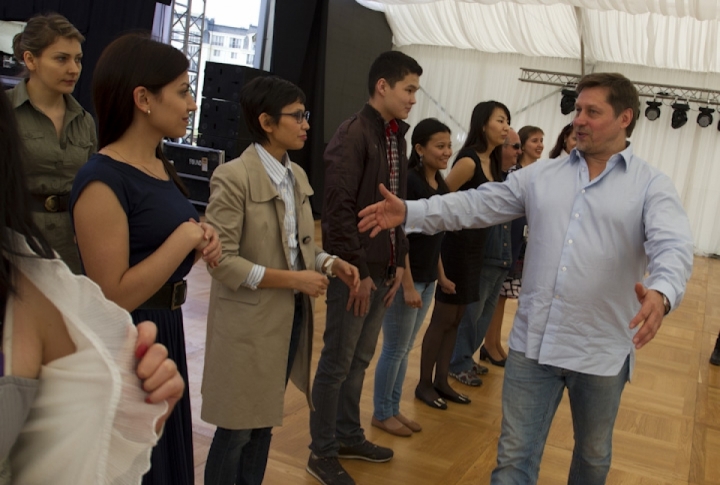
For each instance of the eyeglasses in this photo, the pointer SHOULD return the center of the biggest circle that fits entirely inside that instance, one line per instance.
(299, 116)
(516, 146)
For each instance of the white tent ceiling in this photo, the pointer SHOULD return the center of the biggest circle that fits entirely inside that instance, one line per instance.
(679, 34)
(472, 50)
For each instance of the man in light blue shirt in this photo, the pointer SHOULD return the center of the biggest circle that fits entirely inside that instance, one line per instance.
(609, 254)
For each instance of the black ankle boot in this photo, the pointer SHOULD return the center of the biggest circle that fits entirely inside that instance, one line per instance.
(715, 357)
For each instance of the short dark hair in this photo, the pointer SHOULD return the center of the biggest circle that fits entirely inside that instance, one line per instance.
(267, 94)
(622, 93)
(392, 66)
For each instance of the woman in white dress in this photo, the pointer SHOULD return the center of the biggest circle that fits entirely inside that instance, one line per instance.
(83, 393)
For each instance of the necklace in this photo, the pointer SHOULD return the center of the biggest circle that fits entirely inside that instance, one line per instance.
(138, 165)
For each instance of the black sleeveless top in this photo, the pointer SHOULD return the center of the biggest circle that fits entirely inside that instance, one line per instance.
(463, 251)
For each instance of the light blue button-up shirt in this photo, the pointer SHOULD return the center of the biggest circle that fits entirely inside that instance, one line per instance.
(589, 242)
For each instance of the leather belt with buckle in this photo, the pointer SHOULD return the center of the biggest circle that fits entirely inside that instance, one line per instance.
(50, 203)
(170, 296)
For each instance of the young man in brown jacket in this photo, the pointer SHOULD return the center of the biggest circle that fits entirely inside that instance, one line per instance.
(366, 149)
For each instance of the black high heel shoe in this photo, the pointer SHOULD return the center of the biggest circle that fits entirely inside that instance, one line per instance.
(485, 355)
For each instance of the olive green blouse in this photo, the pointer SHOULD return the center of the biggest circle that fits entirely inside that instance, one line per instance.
(53, 161)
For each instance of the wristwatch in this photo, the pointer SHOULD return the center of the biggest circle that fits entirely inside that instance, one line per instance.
(327, 267)
(666, 302)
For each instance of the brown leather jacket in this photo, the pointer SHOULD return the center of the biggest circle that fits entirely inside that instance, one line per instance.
(355, 164)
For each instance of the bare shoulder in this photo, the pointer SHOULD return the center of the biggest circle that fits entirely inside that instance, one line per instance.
(462, 170)
(39, 332)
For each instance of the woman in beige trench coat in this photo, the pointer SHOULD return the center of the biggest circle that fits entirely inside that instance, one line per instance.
(259, 331)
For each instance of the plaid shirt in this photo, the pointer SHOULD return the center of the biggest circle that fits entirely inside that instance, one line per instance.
(391, 129)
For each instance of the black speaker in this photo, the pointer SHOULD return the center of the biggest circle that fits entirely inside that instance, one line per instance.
(222, 118)
(199, 189)
(233, 147)
(223, 81)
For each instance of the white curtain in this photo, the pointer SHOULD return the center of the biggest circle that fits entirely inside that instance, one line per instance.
(698, 9)
(454, 80)
(680, 34)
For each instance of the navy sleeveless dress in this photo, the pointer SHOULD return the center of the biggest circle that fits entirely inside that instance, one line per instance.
(463, 251)
(154, 208)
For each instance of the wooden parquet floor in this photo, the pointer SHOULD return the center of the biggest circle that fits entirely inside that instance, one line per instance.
(667, 430)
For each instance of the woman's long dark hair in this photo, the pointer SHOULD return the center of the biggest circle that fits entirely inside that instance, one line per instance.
(476, 136)
(15, 212)
(421, 135)
(128, 62)
(560, 143)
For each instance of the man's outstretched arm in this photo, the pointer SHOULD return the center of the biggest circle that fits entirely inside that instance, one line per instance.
(385, 214)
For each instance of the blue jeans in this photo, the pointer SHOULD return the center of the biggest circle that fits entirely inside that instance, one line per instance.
(531, 395)
(349, 346)
(400, 326)
(239, 456)
(476, 319)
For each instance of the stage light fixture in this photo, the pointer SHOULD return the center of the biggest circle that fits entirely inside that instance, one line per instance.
(567, 103)
(652, 112)
(705, 118)
(679, 116)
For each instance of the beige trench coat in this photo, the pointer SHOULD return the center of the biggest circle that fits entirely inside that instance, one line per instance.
(248, 331)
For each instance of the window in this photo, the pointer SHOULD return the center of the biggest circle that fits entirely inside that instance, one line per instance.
(217, 40)
(233, 55)
(216, 52)
(246, 42)
(234, 43)
(250, 58)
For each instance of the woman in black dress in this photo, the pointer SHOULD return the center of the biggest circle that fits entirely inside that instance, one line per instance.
(478, 161)
(137, 233)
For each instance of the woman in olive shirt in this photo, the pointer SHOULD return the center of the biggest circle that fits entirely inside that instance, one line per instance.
(59, 135)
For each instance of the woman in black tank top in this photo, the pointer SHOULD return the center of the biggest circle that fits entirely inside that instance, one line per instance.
(479, 161)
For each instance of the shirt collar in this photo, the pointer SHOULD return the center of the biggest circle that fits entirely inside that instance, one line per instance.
(624, 156)
(20, 97)
(276, 171)
(391, 127)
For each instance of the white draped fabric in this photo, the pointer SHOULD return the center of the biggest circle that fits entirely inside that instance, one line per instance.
(699, 9)
(650, 36)
(472, 51)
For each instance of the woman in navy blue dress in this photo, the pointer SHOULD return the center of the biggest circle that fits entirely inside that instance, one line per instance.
(137, 233)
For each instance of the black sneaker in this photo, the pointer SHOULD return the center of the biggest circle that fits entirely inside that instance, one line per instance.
(715, 357)
(328, 471)
(366, 451)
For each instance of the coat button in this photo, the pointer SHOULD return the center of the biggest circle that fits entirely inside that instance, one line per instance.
(306, 240)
